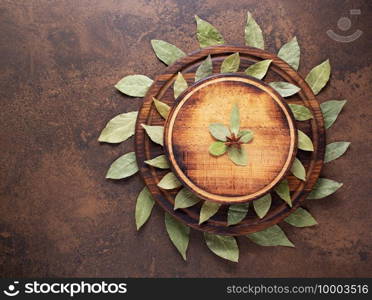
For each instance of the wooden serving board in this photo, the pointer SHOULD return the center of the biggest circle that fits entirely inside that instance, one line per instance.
(162, 89)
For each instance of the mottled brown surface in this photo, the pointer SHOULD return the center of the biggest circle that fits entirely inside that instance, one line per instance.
(59, 61)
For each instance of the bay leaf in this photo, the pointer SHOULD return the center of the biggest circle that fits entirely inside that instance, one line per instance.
(271, 236)
(208, 210)
(253, 33)
(262, 205)
(207, 34)
(319, 76)
(185, 198)
(300, 112)
(259, 69)
(119, 128)
(330, 110)
(160, 162)
(155, 133)
(134, 85)
(323, 188)
(235, 120)
(236, 213)
(179, 86)
(219, 131)
(205, 69)
(285, 89)
(245, 136)
(335, 150)
(144, 206)
(123, 167)
(223, 246)
(301, 218)
(290, 53)
(166, 52)
(169, 182)
(304, 142)
(238, 156)
(162, 108)
(178, 233)
(231, 63)
(282, 189)
(298, 169)
(217, 148)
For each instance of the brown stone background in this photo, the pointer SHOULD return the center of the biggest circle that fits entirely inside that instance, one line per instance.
(59, 61)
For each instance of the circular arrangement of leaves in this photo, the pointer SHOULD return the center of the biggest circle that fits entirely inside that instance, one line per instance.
(122, 127)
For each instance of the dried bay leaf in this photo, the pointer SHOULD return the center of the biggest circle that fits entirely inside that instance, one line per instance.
(319, 76)
(134, 85)
(160, 162)
(335, 150)
(205, 69)
(207, 34)
(169, 182)
(262, 205)
(300, 112)
(301, 218)
(245, 136)
(231, 63)
(178, 233)
(208, 210)
(259, 69)
(119, 128)
(298, 169)
(162, 108)
(219, 131)
(166, 52)
(180, 85)
(235, 120)
(217, 148)
(304, 142)
(330, 110)
(290, 53)
(123, 167)
(323, 188)
(223, 246)
(282, 189)
(185, 198)
(236, 213)
(155, 133)
(238, 156)
(253, 33)
(272, 236)
(285, 89)
(144, 206)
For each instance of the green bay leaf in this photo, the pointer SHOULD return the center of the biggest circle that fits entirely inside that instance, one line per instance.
(185, 198)
(178, 233)
(166, 52)
(205, 69)
(304, 142)
(282, 189)
(119, 128)
(300, 112)
(123, 167)
(335, 150)
(301, 218)
(323, 188)
(223, 246)
(262, 205)
(180, 84)
(169, 182)
(319, 76)
(219, 131)
(272, 236)
(208, 210)
(235, 120)
(245, 136)
(155, 133)
(162, 108)
(144, 206)
(134, 85)
(231, 63)
(290, 53)
(253, 33)
(259, 69)
(285, 89)
(217, 148)
(238, 156)
(330, 110)
(298, 169)
(160, 162)
(236, 213)
(207, 34)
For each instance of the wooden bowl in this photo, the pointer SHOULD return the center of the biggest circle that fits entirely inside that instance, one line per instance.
(262, 110)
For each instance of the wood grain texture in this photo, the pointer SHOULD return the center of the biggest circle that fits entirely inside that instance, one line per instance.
(262, 110)
(162, 90)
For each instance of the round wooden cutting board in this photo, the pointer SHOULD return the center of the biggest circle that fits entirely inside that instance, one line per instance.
(262, 110)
